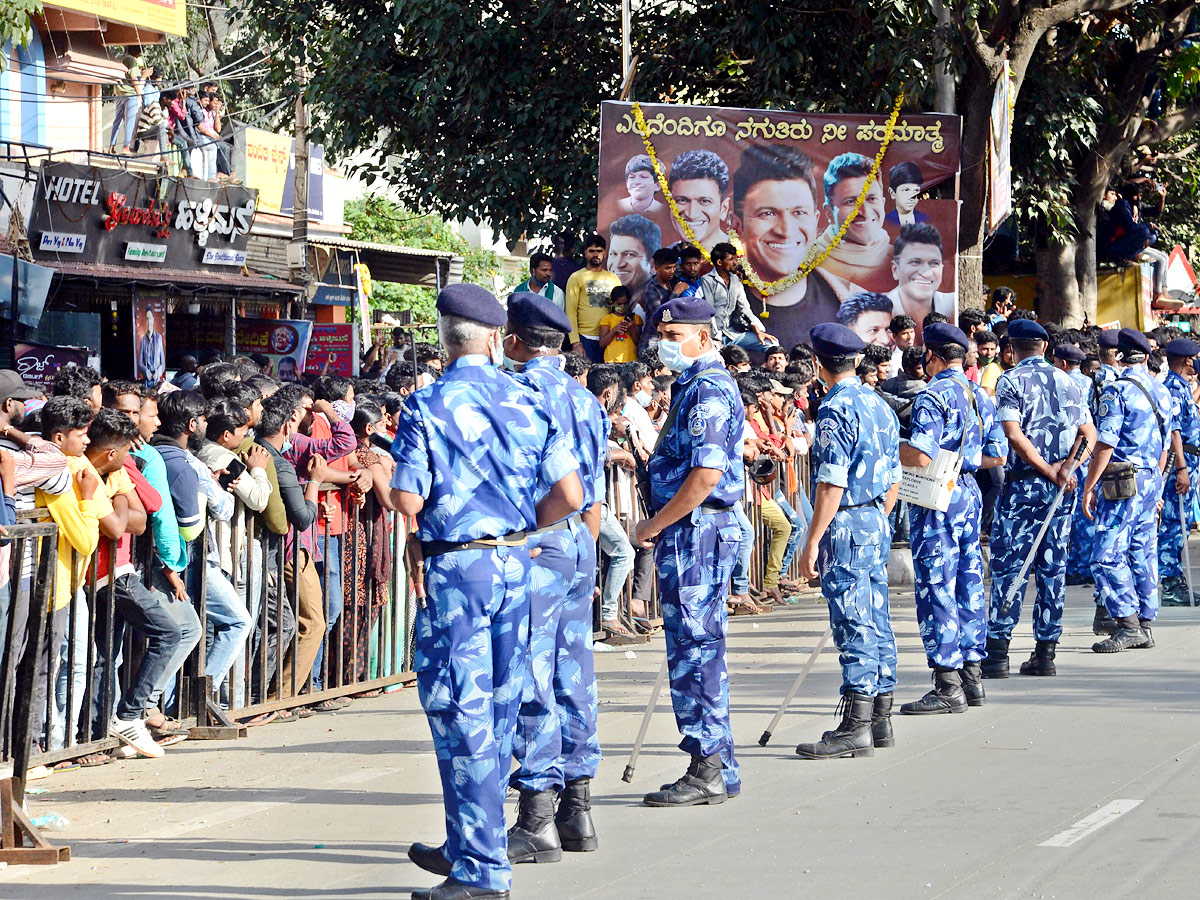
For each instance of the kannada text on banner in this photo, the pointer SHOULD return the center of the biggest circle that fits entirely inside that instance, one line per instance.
(783, 183)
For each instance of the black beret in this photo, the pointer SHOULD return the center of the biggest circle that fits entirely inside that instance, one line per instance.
(534, 310)
(1130, 340)
(1068, 353)
(1182, 347)
(944, 333)
(685, 311)
(1027, 330)
(471, 301)
(832, 339)
(1107, 339)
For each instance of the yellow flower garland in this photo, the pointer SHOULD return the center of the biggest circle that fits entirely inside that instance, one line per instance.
(768, 288)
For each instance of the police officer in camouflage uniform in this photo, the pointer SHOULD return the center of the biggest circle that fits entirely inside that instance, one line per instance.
(696, 477)
(1180, 354)
(556, 748)
(1134, 426)
(856, 458)
(953, 414)
(474, 452)
(1045, 418)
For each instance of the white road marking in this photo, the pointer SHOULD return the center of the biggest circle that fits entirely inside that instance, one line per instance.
(1088, 824)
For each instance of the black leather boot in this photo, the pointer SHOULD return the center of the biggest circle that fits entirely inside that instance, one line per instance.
(1145, 623)
(1128, 635)
(453, 889)
(1102, 622)
(429, 858)
(535, 836)
(1041, 661)
(1174, 592)
(574, 817)
(946, 697)
(703, 783)
(851, 738)
(972, 683)
(996, 663)
(881, 721)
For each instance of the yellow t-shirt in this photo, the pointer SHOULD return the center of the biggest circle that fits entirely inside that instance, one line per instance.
(989, 376)
(78, 523)
(588, 301)
(620, 349)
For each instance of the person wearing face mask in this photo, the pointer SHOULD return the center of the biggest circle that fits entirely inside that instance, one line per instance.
(696, 477)
(556, 747)
(951, 414)
(480, 464)
(620, 329)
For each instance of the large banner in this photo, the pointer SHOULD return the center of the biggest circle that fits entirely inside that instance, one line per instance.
(150, 336)
(782, 184)
(333, 349)
(283, 341)
(169, 16)
(38, 363)
(999, 153)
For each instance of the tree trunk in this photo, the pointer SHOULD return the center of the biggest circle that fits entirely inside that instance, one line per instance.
(1058, 300)
(975, 102)
(1085, 268)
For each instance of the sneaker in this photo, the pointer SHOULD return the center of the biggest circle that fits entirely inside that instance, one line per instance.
(134, 734)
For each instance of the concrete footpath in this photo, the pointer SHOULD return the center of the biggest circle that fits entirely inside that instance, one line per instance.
(1086, 785)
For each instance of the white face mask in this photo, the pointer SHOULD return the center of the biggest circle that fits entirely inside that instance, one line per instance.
(643, 398)
(672, 355)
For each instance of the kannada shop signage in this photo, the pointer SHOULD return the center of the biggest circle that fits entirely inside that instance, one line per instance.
(780, 185)
(267, 161)
(89, 214)
(335, 344)
(169, 16)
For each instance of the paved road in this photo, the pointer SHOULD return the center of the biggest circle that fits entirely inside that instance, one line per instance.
(985, 804)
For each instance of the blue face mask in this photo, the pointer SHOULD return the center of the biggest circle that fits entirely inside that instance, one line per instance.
(672, 355)
(287, 445)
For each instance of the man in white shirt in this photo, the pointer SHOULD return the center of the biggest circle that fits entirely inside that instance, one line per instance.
(541, 281)
(728, 296)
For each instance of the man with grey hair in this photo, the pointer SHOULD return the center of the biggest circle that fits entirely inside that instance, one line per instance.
(479, 463)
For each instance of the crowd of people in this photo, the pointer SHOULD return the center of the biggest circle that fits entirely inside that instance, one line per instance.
(182, 126)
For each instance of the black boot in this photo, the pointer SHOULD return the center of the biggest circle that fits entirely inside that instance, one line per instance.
(946, 697)
(431, 859)
(1041, 661)
(972, 683)
(574, 817)
(535, 836)
(996, 664)
(1174, 592)
(1128, 635)
(1145, 623)
(703, 783)
(881, 721)
(453, 889)
(1102, 622)
(852, 737)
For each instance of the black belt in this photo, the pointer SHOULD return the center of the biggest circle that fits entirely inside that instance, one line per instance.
(562, 525)
(1025, 475)
(437, 548)
(1191, 449)
(709, 508)
(871, 502)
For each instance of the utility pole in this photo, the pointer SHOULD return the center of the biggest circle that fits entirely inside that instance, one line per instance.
(943, 78)
(298, 249)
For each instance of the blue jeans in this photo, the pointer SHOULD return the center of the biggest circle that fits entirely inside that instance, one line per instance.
(591, 348)
(190, 631)
(616, 546)
(231, 622)
(126, 115)
(748, 340)
(75, 670)
(740, 579)
(329, 570)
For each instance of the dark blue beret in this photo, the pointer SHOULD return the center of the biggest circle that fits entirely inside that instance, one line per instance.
(471, 301)
(1107, 339)
(534, 310)
(1027, 330)
(1068, 353)
(833, 339)
(1130, 340)
(1182, 347)
(944, 333)
(685, 311)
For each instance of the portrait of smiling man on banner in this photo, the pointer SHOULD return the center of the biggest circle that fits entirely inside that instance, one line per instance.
(699, 181)
(863, 254)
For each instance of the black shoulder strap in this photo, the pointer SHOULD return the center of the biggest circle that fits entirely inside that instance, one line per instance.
(669, 422)
(1153, 406)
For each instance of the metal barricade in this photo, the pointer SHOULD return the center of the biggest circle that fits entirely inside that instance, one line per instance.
(626, 507)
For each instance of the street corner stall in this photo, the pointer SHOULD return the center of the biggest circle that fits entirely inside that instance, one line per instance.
(143, 265)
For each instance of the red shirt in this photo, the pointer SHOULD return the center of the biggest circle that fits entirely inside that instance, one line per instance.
(152, 501)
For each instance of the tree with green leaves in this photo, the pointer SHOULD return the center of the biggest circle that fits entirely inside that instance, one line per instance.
(16, 25)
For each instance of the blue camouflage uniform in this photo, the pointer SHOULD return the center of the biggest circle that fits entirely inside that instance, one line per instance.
(1083, 529)
(556, 731)
(695, 555)
(1172, 531)
(858, 449)
(947, 558)
(1049, 406)
(1125, 556)
(481, 449)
